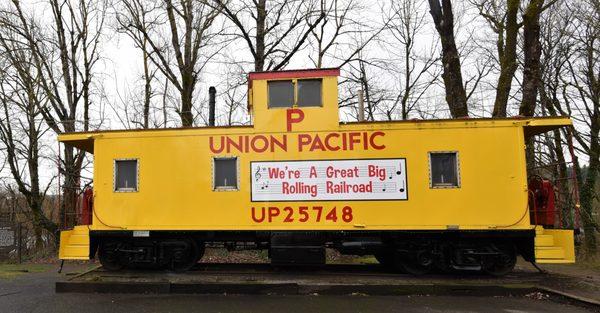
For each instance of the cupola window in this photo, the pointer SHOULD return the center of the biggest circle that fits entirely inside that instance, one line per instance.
(297, 92)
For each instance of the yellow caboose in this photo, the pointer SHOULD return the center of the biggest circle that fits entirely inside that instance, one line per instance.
(451, 194)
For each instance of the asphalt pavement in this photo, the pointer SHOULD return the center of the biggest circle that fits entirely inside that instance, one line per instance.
(34, 292)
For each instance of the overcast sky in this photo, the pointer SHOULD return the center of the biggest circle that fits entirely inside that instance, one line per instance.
(120, 69)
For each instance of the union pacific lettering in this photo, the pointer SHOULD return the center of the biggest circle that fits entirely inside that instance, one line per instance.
(335, 141)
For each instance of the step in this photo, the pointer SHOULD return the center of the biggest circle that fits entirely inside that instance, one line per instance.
(75, 244)
(76, 252)
(554, 245)
(549, 253)
(79, 239)
(554, 261)
(544, 241)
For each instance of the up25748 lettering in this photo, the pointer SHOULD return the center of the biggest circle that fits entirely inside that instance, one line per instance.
(302, 214)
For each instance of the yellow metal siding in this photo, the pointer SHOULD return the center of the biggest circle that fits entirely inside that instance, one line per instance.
(316, 118)
(175, 186)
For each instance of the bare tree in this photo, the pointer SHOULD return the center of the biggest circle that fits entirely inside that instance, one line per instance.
(359, 78)
(22, 128)
(556, 51)
(417, 71)
(532, 52)
(342, 22)
(336, 23)
(277, 29)
(233, 101)
(585, 74)
(188, 24)
(573, 89)
(134, 104)
(64, 53)
(502, 19)
(443, 18)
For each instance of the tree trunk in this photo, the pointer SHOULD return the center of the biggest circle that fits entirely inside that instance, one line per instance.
(588, 194)
(187, 118)
(507, 55)
(365, 87)
(588, 188)
(533, 51)
(407, 72)
(70, 188)
(147, 86)
(531, 66)
(444, 24)
(261, 16)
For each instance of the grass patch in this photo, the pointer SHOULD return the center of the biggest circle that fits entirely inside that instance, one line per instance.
(366, 259)
(9, 271)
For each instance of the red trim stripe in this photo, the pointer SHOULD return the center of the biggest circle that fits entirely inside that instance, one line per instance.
(294, 74)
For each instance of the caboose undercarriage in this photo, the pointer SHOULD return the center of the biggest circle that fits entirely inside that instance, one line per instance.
(414, 252)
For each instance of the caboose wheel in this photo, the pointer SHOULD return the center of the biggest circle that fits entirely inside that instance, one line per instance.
(185, 257)
(110, 257)
(415, 262)
(502, 263)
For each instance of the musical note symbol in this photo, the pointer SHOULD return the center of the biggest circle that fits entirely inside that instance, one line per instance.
(383, 189)
(264, 186)
(402, 188)
(257, 175)
(399, 169)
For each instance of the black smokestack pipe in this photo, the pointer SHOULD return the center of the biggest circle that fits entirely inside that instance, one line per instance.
(212, 92)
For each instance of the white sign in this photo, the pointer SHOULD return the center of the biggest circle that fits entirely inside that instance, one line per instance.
(7, 236)
(141, 233)
(372, 179)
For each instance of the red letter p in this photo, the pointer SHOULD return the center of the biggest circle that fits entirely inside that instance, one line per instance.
(294, 116)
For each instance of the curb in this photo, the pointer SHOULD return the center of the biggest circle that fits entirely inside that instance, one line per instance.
(111, 287)
(582, 301)
(293, 288)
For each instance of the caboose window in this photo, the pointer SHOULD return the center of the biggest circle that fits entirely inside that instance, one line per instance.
(225, 174)
(309, 92)
(281, 93)
(443, 170)
(126, 175)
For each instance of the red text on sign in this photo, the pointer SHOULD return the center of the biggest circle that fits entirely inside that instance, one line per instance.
(301, 214)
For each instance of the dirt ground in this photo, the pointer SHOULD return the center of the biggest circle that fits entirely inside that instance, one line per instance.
(213, 255)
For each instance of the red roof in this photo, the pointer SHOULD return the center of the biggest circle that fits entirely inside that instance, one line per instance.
(321, 72)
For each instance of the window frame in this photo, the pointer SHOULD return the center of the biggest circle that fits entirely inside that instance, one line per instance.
(295, 86)
(456, 167)
(297, 89)
(293, 94)
(214, 170)
(137, 173)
